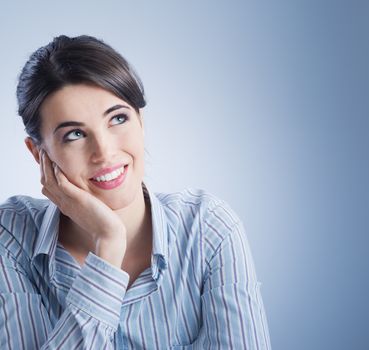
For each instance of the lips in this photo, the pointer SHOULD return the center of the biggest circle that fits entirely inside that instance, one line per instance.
(105, 183)
(107, 170)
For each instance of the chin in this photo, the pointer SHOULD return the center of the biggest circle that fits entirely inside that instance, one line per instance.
(118, 200)
(116, 204)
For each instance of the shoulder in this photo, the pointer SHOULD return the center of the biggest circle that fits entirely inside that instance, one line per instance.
(201, 211)
(20, 220)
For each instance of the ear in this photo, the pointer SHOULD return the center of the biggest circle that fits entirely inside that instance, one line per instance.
(33, 148)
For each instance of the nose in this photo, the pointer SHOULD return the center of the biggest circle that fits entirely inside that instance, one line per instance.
(102, 149)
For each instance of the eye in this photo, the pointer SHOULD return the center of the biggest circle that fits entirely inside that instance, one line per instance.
(73, 135)
(118, 119)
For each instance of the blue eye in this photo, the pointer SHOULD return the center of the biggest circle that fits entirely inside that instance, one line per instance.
(73, 135)
(118, 119)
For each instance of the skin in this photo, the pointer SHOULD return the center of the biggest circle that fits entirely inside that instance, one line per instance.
(115, 224)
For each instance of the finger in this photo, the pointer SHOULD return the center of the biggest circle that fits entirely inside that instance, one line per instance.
(42, 172)
(50, 180)
(61, 204)
(64, 184)
(50, 195)
(58, 174)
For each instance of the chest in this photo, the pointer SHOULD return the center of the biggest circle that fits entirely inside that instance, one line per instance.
(151, 317)
(134, 263)
(134, 266)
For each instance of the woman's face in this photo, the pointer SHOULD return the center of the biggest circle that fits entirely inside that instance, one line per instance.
(88, 131)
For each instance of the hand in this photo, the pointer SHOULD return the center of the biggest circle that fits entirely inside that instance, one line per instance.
(91, 214)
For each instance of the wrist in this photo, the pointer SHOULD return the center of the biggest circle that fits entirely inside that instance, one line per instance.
(111, 250)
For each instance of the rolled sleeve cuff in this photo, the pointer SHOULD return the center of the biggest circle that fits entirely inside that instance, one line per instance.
(99, 290)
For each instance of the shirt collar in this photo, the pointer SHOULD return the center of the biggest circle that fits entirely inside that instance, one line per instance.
(160, 229)
(48, 235)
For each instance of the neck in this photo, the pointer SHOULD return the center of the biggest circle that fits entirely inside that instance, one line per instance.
(137, 220)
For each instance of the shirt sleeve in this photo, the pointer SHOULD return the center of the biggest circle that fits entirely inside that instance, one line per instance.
(89, 321)
(233, 310)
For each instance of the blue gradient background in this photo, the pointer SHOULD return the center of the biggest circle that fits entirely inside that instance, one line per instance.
(264, 104)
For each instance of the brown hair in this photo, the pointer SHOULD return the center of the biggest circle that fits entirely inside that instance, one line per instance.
(65, 61)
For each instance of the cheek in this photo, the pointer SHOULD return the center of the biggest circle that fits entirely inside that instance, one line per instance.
(71, 164)
(132, 144)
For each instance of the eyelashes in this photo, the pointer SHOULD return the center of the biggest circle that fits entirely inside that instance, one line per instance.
(73, 135)
(77, 134)
(120, 116)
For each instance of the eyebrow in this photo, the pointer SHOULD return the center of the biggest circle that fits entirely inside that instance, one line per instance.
(74, 123)
(112, 109)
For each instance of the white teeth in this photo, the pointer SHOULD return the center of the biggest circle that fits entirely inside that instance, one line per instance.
(111, 176)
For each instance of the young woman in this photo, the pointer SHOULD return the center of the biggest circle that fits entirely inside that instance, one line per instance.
(105, 263)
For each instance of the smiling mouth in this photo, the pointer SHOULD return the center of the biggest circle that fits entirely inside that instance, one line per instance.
(109, 176)
(111, 180)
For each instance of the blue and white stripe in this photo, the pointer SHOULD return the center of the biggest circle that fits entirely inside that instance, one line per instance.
(201, 291)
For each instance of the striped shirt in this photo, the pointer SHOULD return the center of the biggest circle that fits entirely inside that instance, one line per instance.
(200, 292)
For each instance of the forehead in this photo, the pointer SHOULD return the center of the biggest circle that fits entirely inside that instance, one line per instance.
(72, 101)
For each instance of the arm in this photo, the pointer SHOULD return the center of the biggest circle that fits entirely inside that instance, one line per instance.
(89, 321)
(234, 316)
